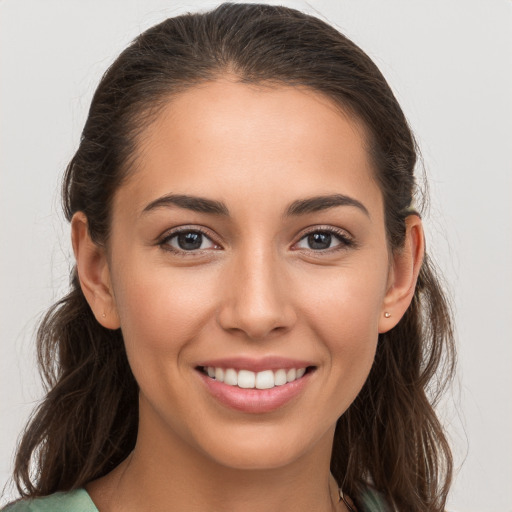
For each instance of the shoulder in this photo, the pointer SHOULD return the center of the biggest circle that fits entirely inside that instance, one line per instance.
(72, 501)
(373, 501)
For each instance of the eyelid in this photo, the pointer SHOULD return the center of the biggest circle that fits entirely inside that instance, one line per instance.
(164, 238)
(346, 239)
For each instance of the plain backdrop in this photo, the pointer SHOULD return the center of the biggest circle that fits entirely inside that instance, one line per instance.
(448, 62)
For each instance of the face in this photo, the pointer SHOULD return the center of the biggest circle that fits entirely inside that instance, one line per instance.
(249, 268)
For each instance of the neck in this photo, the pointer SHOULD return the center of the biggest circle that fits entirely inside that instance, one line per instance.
(166, 474)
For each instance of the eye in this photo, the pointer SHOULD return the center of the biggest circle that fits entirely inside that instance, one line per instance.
(188, 240)
(323, 240)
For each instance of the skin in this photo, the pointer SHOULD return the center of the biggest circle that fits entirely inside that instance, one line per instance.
(255, 288)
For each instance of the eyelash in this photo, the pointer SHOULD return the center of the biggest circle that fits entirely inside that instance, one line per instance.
(164, 241)
(346, 241)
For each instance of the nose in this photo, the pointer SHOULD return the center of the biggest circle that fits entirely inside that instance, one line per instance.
(256, 297)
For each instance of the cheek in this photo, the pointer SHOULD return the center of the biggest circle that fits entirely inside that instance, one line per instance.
(343, 309)
(345, 303)
(161, 310)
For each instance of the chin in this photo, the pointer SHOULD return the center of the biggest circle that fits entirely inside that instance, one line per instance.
(264, 449)
(256, 458)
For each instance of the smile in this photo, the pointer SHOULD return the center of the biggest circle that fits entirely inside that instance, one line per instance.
(256, 386)
(246, 379)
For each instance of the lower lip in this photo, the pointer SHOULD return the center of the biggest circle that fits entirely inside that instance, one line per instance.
(254, 400)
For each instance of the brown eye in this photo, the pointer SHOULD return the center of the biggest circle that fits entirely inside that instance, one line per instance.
(189, 241)
(320, 241)
(325, 240)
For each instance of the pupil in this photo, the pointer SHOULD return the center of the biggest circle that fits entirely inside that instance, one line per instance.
(190, 241)
(319, 240)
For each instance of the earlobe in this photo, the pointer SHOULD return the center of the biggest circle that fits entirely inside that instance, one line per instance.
(93, 273)
(404, 273)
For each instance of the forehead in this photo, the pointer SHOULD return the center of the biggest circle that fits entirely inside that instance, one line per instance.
(225, 137)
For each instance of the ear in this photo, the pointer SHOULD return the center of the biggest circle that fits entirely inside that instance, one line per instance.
(405, 267)
(93, 273)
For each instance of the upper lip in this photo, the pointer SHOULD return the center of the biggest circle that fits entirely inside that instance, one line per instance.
(256, 365)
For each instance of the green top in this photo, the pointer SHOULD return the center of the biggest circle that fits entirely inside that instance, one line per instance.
(79, 501)
(72, 501)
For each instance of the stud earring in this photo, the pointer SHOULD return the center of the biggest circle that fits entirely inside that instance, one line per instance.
(387, 315)
(103, 314)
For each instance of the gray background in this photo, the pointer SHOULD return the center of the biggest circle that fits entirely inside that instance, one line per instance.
(449, 63)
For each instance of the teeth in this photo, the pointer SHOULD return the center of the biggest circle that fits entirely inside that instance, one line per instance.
(219, 374)
(246, 379)
(280, 377)
(291, 375)
(231, 377)
(265, 380)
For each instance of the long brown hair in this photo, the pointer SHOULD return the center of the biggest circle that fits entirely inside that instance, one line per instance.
(390, 437)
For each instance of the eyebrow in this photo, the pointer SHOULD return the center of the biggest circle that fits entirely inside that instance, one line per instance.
(319, 203)
(297, 208)
(194, 203)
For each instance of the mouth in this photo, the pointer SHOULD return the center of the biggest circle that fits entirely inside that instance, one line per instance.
(262, 389)
(247, 379)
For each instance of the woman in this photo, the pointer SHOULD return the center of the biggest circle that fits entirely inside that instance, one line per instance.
(253, 322)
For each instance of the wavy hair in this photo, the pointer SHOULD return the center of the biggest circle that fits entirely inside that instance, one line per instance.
(390, 437)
